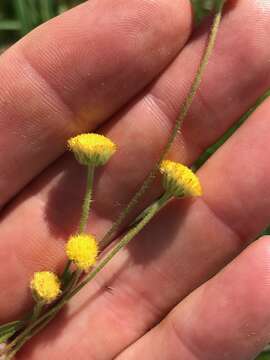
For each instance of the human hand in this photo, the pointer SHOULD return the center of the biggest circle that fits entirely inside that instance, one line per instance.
(93, 67)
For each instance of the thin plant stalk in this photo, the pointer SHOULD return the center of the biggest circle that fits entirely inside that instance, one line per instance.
(85, 208)
(37, 310)
(87, 199)
(40, 323)
(124, 241)
(26, 334)
(177, 127)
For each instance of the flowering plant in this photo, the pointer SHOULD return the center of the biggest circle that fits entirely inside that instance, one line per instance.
(85, 255)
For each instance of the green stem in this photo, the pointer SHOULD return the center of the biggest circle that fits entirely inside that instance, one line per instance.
(37, 323)
(76, 279)
(87, 199)
(27, 333)
(40, 323)
(21, 340)
(183, 112)
(85, 210)
(37, 311)
(66, 269)
(83, 223)
(124, 241)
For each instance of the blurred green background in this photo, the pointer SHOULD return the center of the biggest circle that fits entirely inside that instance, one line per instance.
(18, 17)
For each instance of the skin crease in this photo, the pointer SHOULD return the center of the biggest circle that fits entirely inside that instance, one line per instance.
(189, 241)
(74, 46)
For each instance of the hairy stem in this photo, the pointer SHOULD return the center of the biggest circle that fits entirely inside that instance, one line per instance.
(40, 323)
(183, 112)
(87, 199)
(85, 209)
(124, 241)
(37, 311)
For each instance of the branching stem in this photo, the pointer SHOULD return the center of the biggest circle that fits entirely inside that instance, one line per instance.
(183, 112)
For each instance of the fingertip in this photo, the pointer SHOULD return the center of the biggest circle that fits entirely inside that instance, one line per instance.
(257, 265)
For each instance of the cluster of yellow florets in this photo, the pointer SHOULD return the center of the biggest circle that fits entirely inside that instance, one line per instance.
(46, 286)
(82, 249)
(92, 149)
(179, 180)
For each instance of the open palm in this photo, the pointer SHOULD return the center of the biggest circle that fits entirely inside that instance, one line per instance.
(180, 290)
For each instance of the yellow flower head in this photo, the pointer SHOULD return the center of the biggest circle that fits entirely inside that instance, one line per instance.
(179, 180)
(45, 286)
(92, 149)
(82, 249)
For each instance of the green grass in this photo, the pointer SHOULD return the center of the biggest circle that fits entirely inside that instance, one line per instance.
(212, 149)
(18, 17)
(264, 357)
(203, 8)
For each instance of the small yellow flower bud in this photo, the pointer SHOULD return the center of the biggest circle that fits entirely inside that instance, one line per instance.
(92, 149)
(82, 249)
(179, 180)
(45, 286)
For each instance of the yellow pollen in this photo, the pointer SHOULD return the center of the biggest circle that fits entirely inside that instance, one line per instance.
(82, 249)
(179, 179)
(46, 286)
(92, 149)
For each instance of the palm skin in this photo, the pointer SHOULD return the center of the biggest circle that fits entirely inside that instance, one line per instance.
(186, 288)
